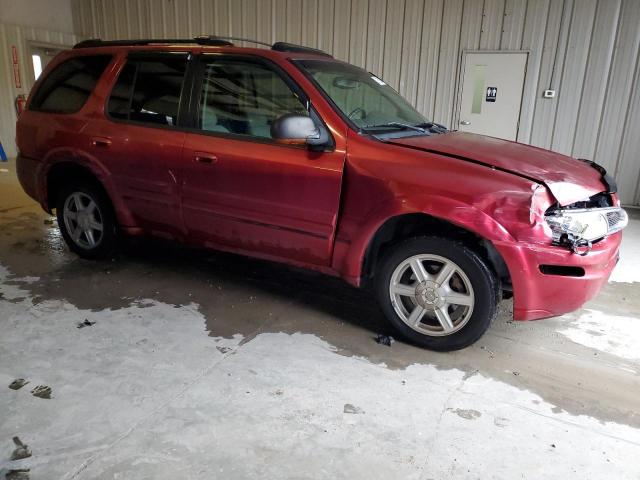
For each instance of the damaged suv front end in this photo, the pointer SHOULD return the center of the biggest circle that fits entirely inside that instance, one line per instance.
(579, 251)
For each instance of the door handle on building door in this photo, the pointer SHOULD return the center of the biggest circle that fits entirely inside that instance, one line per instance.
(465, 122)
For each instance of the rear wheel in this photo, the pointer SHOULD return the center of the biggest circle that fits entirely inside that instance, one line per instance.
(437, 293)
(86, 220)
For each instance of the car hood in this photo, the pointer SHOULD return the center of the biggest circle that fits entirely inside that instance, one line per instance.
(568, 179)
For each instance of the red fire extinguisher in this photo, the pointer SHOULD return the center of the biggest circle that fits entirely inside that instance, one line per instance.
(21, 104)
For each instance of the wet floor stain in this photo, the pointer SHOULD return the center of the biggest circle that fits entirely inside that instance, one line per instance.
(467, 414)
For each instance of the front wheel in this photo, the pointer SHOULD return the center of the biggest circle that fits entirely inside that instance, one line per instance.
(437, 293)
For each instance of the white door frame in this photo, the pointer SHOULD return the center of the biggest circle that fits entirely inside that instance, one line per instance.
(460, 83)
(35, 44)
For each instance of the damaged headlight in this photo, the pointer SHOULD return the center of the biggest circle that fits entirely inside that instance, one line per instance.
(579, 227)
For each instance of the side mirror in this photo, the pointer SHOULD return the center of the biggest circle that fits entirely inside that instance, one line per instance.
(295, 129)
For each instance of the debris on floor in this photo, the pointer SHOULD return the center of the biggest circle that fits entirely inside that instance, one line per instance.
(348, 408)
(86, 323)
(18, 383)
(384, 340)
(21, 451)
(48, 221)
(18, 474)
(42, 391)
(490, 352)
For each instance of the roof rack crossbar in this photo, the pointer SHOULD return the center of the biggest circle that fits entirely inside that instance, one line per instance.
(209, 40)
(96, 42)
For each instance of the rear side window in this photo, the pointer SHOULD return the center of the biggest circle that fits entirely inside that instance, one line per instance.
(67, 88)
(148, 90)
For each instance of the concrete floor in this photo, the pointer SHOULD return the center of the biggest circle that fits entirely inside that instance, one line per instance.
(208, 365)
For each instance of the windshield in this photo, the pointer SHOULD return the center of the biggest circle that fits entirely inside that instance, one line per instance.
(368, 102)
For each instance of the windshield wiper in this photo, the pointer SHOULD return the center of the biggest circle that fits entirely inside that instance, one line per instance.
(401, 126)
(432, 126)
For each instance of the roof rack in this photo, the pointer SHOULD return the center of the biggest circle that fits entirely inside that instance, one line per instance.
(96, 42)
(207, 40)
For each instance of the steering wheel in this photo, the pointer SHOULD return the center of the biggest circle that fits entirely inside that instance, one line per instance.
(356, 110)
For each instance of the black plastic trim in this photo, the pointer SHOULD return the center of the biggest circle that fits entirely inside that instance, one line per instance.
(562, 270)
(608, 180)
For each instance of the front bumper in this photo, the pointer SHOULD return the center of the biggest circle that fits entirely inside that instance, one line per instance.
(539, 295)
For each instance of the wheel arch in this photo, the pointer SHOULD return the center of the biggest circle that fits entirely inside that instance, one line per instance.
(62, 170)
(407, 225)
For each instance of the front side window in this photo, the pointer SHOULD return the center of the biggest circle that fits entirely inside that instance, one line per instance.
(148, 90)
(368, 102)
(68, 87)
(244, 97)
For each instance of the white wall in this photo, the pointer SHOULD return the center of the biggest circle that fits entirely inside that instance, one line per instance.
(46, 14)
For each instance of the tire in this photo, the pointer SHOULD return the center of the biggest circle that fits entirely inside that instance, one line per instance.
(438, 323)
(84, 205)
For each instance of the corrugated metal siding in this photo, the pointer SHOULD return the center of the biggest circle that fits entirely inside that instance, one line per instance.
(587, 50)
(14, 35)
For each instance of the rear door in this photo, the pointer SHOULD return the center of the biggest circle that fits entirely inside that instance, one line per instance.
(240, 188)
(139, 137)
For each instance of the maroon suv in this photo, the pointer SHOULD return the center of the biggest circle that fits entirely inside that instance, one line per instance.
(290, 155)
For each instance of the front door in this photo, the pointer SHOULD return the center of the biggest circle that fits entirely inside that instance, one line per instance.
(492, 86)
(240, 188)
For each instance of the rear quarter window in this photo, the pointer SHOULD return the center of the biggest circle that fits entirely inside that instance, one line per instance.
(69, 85)
(149, 89)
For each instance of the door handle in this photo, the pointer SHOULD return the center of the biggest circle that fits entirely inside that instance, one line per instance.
(465, 122)
(100, 142)
(205, 158)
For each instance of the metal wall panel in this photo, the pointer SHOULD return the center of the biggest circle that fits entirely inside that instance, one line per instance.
(586, 50)
(619, 85)
(448, 61)
(552, 58)
(594, 89)
(411, 43)
(573, 74)
(341, 27)
(492, 18)
(393, 42)
(377, 18)
(429, 56)
(358, 32)
(513, 24)
(628, 171)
